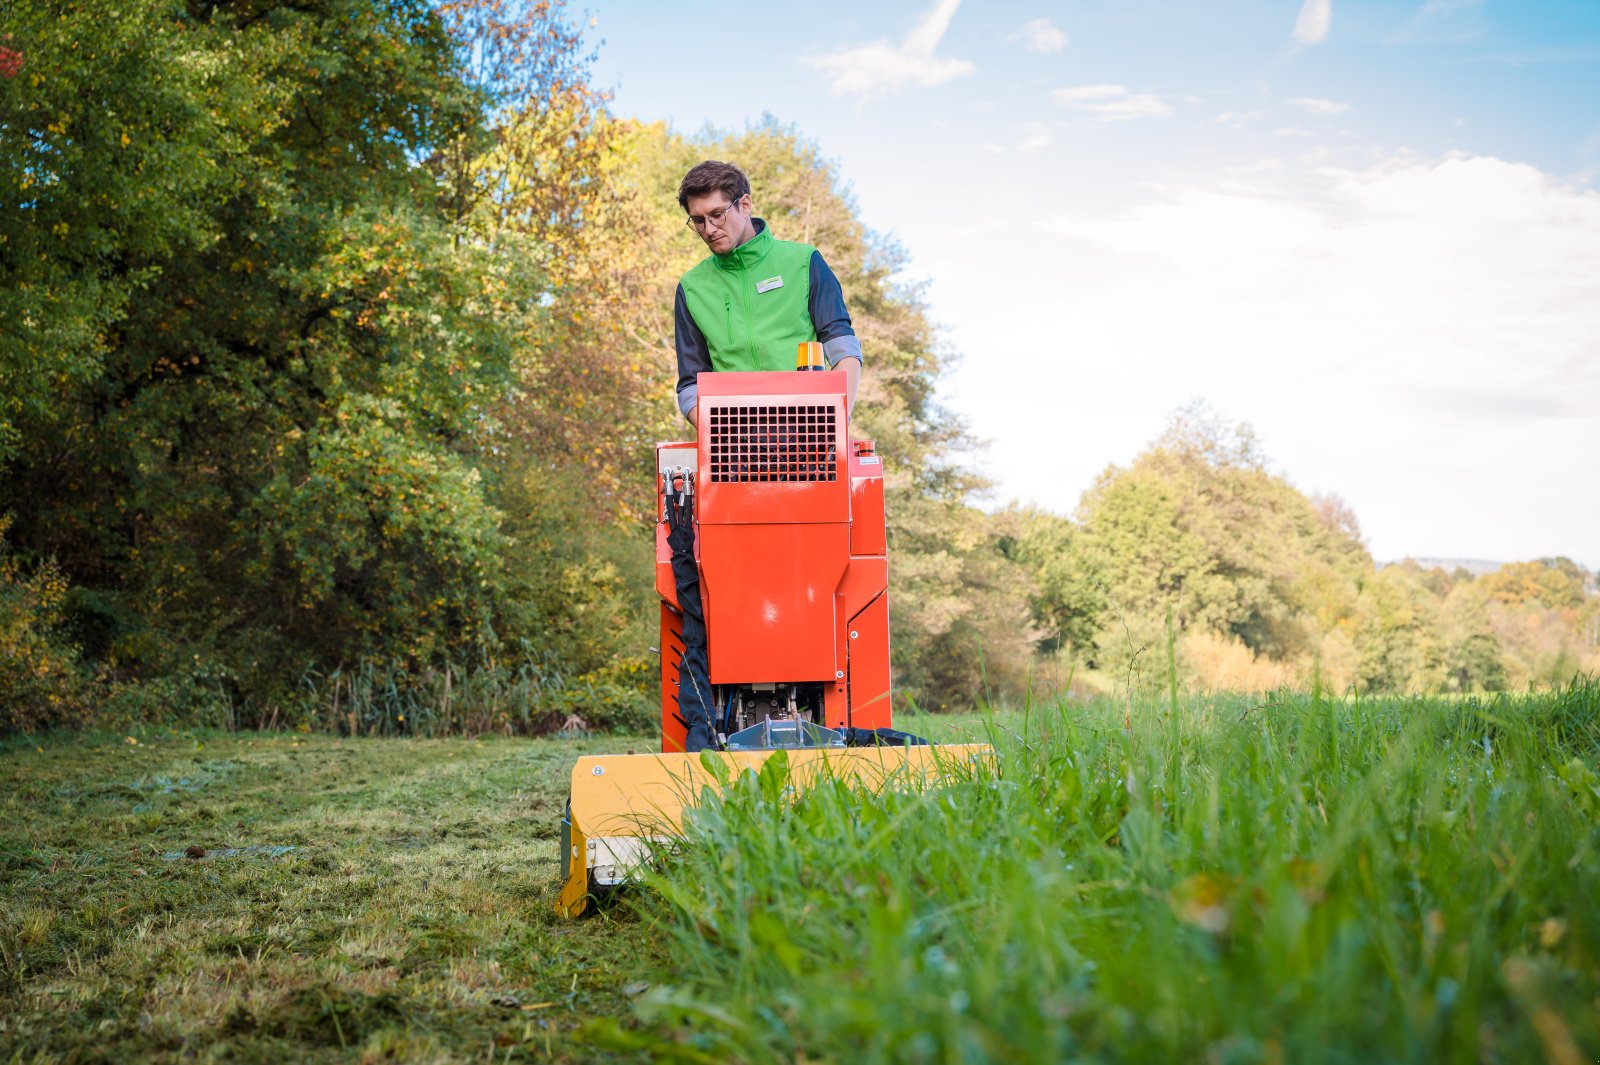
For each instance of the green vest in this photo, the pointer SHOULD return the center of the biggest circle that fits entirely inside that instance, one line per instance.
(753, 304)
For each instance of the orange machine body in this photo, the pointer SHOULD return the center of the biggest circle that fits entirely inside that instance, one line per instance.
(790, 542)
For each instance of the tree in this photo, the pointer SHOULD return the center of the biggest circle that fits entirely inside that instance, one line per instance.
(1067, 606)
(1557, 583)
(1398, 635)
(1199, 526)
(256, 359)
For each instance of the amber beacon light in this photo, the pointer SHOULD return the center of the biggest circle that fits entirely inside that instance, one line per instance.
(809, 357)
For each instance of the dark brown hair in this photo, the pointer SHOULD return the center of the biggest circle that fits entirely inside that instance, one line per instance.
(711, 176)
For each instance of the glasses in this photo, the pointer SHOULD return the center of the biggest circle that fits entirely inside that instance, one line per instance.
(710, 218)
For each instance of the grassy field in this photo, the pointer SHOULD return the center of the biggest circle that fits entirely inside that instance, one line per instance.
(1288, 880)
(1295, 879)
(359, 900)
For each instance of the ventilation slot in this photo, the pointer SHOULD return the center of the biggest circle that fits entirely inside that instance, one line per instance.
(773, 443)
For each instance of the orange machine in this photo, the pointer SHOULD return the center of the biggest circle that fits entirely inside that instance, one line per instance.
(771, 572)
(790, 545)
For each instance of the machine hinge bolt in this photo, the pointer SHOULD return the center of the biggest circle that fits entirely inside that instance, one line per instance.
(854, 635)
(838, 674)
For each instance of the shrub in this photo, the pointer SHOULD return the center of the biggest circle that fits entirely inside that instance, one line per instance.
(41, 682)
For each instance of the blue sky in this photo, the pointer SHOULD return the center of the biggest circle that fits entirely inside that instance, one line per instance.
(1371, 230)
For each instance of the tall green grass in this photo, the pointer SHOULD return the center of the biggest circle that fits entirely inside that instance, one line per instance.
(1299, 879)
(524, 694)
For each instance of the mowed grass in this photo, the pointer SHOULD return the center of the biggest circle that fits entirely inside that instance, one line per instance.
(1289, 879)
(409, 917)
(1295, 879)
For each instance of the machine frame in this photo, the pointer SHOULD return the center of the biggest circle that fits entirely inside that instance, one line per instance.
(790, 550)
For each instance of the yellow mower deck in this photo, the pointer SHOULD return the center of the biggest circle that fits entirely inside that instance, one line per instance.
(621, 804)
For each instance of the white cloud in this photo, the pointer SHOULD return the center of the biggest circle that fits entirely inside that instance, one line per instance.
(1090, 92)
(1041, 35)
(1321, 108)
(1235, 119)
(880, 66)
(1036, 135)
(1311, 27)
(1443, 22)
(1417, 336)
(1111, 103)
(1467, 268)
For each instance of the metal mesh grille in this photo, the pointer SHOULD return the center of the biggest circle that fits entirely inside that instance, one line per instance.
(791, 442)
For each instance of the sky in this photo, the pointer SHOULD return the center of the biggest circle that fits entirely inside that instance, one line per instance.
(1370, 230)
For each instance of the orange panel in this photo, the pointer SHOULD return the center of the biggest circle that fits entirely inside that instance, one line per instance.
(866, 500)
(863, 582)
(666, 586)
(772, 459)
(785, 385)
(772, 448)
(820, 503)
(769, 600)
(869, 666)
(836, 705)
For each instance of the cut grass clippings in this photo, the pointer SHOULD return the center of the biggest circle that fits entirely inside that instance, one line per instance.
(345, 900)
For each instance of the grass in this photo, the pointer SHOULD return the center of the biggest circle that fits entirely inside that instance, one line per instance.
(1298, 880)
(410, 920)
(1295, 879)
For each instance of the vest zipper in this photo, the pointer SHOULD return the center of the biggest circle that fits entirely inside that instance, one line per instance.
(749, 319)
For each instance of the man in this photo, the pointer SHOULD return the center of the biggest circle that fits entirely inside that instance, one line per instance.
(745, 307)
(755, 298)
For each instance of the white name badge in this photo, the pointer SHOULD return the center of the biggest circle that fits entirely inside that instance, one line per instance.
(769, 284)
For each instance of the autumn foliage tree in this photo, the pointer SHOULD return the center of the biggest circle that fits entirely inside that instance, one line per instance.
(246, 356)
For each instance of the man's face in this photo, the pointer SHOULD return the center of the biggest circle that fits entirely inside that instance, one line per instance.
(722, 223)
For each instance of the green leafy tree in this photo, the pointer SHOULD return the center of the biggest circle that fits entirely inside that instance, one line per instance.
(1067, 606)
(1474, 659)
(1199, 526)
(259, 332)
(1399, 633)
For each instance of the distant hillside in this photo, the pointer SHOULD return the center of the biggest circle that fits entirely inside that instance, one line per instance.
(1475, 566)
